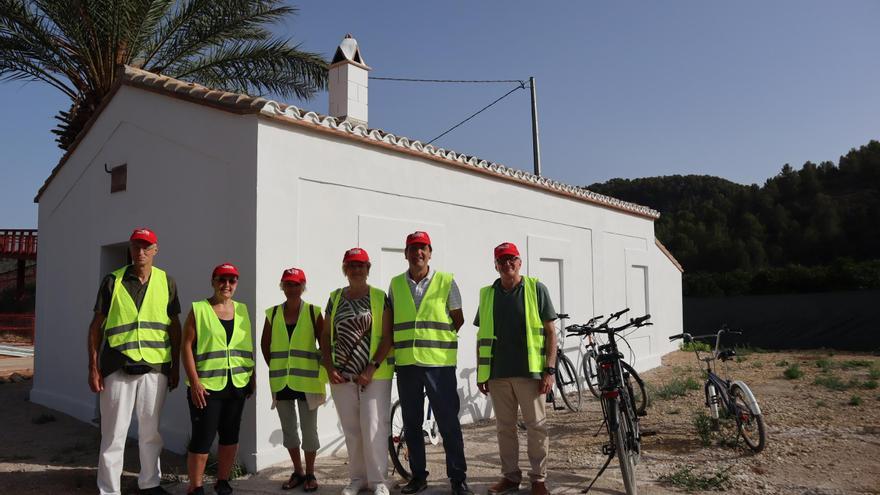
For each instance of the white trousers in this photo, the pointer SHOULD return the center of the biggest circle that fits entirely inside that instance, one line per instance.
(365, 423)
(122, 394)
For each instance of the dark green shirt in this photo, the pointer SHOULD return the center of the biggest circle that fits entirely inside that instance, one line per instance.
(510, 355)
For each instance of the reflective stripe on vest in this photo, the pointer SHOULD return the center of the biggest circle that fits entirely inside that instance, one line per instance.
(215, 358)
(294, 360)
(377, 310)
(142, 335)
(424, 336)
(534, 330)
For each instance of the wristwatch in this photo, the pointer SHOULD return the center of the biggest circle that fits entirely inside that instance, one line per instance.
(550, 370)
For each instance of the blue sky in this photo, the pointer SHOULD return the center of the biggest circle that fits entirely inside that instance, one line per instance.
(625, 89)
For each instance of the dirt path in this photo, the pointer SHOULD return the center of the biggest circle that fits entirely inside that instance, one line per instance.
(818, 443)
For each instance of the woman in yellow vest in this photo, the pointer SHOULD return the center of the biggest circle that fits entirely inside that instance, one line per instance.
(355, 350)
(218, 356)
(296, 378)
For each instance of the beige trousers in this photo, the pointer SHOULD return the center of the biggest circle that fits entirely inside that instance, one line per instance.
(508, 395)
(364, 416)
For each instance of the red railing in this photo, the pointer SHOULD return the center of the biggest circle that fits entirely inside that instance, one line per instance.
(18, 244)
(17, 327)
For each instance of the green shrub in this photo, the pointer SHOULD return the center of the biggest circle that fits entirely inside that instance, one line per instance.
(793, 372)
(695, 346)
(831, 382)
(782, 364)
(675, 388)
(855, 400)
(824, 364)
(705, 425)
(855, 363)
(685, 478)
(874, 373)
(870, 384)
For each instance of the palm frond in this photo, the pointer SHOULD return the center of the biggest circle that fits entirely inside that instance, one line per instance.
(258, 68)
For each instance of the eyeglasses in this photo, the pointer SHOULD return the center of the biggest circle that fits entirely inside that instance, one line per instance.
(353, 265)
(506, 260)
(226, 280)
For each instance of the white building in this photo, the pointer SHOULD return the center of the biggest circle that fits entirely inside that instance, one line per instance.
(226, 177)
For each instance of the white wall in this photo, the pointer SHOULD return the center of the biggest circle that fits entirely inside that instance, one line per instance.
(191, 178)
(320, 195)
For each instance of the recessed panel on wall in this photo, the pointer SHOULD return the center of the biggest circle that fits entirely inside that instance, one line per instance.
(386, 237)
(638, 299)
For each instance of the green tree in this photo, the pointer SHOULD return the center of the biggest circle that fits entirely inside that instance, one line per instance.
(77, 46)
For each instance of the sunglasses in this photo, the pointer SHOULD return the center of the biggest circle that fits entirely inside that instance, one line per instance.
(226, 280)
(506, 259)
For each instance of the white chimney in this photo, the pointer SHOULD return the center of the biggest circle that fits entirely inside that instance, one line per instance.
(348, 83)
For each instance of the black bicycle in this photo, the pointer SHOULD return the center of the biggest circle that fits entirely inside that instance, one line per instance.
(590, 368)
(732, 398)
(397, 446)
(567, 383)
(621, 416)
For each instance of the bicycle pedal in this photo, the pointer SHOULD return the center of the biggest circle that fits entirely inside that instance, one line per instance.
(641, 414)
(607, 449)
(558, 408)
(648, 433)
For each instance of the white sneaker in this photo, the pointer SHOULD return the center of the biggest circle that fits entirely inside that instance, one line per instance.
(381, 489)
(353, 488)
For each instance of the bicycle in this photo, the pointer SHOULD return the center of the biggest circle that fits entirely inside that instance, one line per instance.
(567, 382)
(618, 406)
(735, 398)
(397, 447)
(590, 368)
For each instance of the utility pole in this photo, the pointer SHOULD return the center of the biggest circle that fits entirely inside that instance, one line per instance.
(536, 146)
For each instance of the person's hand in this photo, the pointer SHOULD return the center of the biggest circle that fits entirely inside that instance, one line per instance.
(366, 376)
(483, 387)
(198, 394)
(174, 377)
(335, 376)
(96, 381)
(252, 386)
(546, 383)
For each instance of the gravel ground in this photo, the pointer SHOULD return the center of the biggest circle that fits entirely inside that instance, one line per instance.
(820, 440)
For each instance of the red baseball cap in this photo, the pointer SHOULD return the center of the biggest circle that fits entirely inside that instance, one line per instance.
(225, 269)
(143, 234)
(418, 237)
(293, 275)
(356, 254)
(505, 249)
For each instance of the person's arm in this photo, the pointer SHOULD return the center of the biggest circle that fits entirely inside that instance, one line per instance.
(453, 305)
(197, 390)
(266, 341)
(550, 350)
(457, 318)
(174, 334)
(385, 345)
(96, 334)
(326, 359)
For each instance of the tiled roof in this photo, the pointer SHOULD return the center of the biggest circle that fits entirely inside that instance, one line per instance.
(290, 114)
(668, 254)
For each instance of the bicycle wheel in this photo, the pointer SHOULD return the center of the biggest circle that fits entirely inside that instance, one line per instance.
(749, 424)
(627, 455)
(397, 448)
(639, 392)
(568, 384)
(591, 372)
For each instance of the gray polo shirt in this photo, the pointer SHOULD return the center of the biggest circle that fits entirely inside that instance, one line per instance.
(418, 289)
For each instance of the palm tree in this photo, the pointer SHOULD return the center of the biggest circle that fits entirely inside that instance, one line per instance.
(77, 47)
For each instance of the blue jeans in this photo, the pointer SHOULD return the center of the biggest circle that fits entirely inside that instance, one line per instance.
(440, 384)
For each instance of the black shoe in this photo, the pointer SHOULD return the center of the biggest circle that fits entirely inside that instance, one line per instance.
(156, 490)
(415, 485)
(460, 488)
(222, 487)
(198, 491)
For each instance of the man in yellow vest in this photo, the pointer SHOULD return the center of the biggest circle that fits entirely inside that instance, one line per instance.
(427, 316)
(134, 349)
(516, 346)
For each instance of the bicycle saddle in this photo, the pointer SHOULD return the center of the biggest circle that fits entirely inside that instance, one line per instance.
(726, 354)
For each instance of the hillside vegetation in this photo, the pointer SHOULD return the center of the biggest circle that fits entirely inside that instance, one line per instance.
(813, 229)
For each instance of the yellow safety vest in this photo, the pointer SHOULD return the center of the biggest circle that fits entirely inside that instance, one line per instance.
(215, 358)
(142, 335)
(294, 360)
(534, 330)
(424, 336)
(377, 310)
